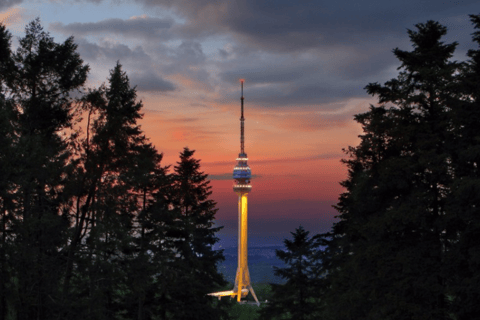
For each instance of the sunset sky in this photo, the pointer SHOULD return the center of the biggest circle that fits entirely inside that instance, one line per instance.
(305, 64)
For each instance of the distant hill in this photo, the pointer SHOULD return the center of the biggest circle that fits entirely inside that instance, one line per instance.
(261, 261)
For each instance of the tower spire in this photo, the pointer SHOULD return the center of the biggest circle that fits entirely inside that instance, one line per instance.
(242, 124)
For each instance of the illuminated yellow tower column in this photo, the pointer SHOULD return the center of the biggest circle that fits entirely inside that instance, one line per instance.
(242, 279)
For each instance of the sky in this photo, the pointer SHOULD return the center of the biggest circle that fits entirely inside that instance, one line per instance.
(305, 65)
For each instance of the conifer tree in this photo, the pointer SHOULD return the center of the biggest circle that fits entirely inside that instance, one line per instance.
(194, 273)
(93, 226)
(390, 241)
(116, 179)
(6, 167)
(153, 250)
(463, 258)
(38, 79)
(298, 297)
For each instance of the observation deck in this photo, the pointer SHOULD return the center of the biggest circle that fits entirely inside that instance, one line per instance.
(242, 175)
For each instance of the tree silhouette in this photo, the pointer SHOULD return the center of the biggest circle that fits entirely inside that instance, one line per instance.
(463, 258)
(392, 235)
(194, 273)
(91, 224)
(37, 80)
(298, 297)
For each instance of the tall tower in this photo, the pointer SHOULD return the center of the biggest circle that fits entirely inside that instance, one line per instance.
(242, 175)
(242, 186)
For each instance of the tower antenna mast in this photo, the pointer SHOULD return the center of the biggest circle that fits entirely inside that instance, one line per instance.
(242, 124)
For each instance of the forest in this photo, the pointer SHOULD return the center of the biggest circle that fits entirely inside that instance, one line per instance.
(95, 226)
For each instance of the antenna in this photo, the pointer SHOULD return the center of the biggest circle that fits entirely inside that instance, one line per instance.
(242, 127)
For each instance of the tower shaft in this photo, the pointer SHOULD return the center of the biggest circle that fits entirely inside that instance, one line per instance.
(242, 279)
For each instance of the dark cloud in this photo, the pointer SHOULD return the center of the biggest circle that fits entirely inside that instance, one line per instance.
(227, 176)
(171, 60)
(110, 51)
(150, 82)
(292, 54)
(143, 27)
(189, 52)
(223, 53)
(274, 160)
(267, 74)
(317, 77)
(5, 4)
(133, 59)
(300, 94)
(285, 25)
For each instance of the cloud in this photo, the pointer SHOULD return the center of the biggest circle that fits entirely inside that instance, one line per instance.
(227, 176)
(110, 51)
(11, 16)
(150, 82)
(302, 94)
(292, 54)
(315, 77)
(267, 73)
(5, 4)
(274, 160)
(185, 59)
(143, 26)
(136, 62)
(190, 52)
(286, 26)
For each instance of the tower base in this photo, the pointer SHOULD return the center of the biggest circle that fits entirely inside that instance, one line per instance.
(232, 294)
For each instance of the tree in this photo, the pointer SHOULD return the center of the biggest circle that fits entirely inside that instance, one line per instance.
(389, 245)
(6, 166)
(117, 174)
(194, 272)
(298, 297)
(91, 225)
(463, 259)
(37, 81)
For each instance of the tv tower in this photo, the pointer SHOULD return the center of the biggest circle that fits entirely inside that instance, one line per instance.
(241, 175)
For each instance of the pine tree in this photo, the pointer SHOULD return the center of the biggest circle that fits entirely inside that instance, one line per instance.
(297, 298)
(463, 258)
(116, 176)
(390, 241)
(38, 79)
(6, 167)
(194, 272)
(152, 249)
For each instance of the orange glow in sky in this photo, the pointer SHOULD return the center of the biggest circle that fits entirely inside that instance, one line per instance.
(303, 82)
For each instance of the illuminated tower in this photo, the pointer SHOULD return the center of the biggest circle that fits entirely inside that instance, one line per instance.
(242, 175)
(242, 186)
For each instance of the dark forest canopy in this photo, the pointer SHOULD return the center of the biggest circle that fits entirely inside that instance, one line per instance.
(92, 224)
(407, 242)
